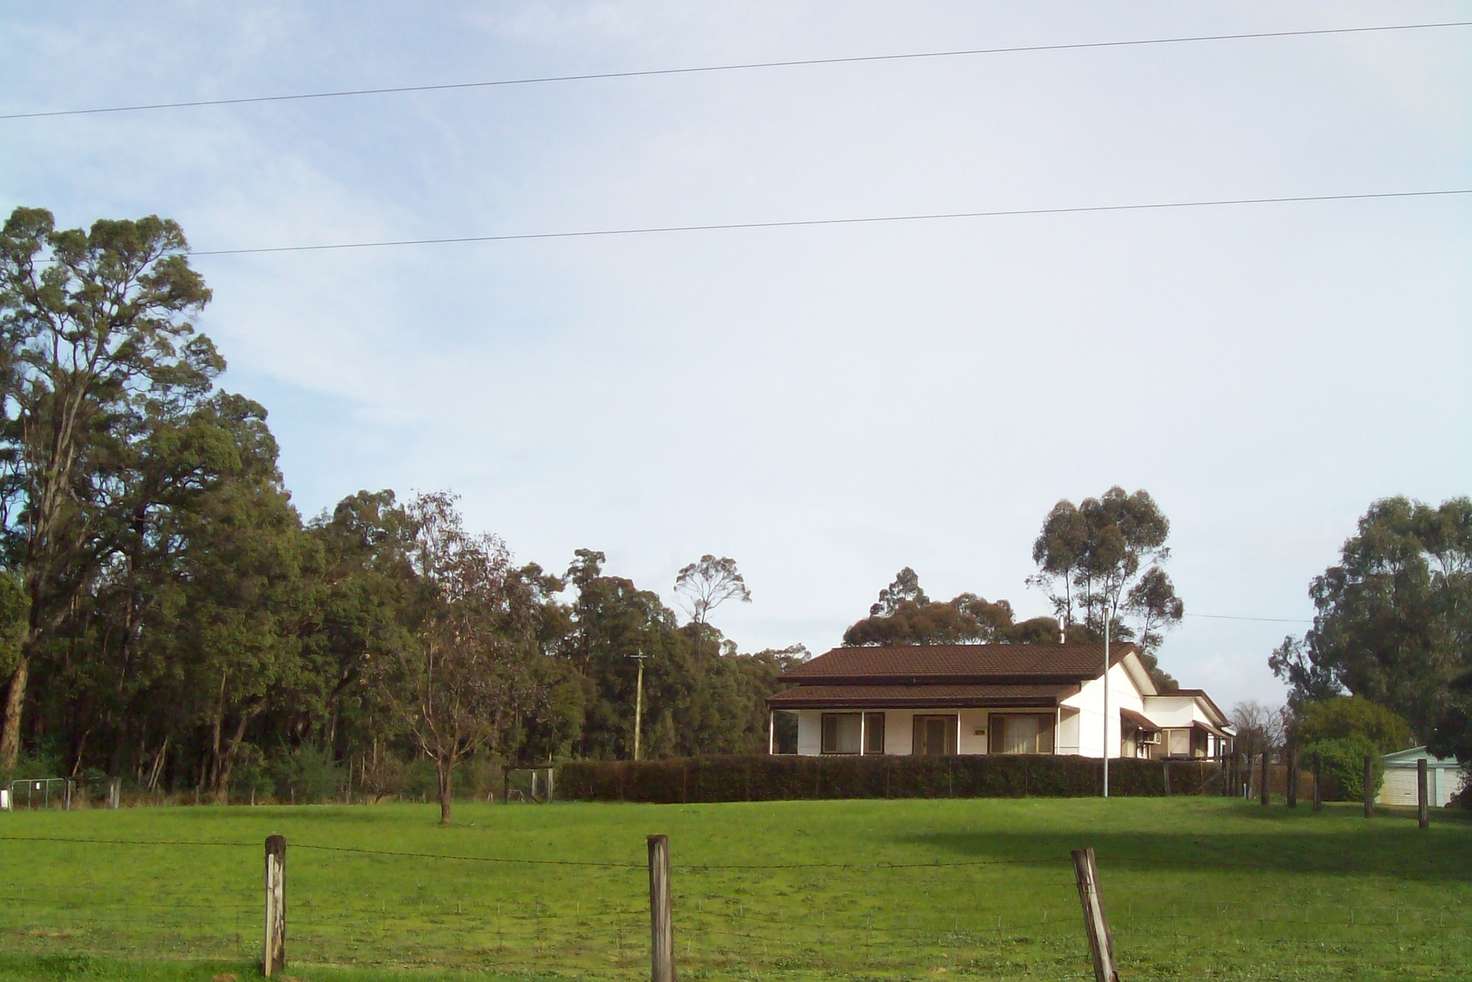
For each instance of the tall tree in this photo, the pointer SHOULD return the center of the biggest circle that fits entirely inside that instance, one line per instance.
(709, 582)
(1104, 559)
(95, 329)
(1393, 618)
(904, 589)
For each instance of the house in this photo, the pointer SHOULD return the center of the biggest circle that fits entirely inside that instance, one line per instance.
(1444, 778)
(990, 699)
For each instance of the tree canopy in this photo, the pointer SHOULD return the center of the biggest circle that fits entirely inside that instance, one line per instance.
(1393, 620)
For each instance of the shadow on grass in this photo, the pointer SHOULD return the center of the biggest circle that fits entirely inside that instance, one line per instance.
(1275, 841)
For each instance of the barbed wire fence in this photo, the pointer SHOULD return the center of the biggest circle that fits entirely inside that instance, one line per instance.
(994, 916)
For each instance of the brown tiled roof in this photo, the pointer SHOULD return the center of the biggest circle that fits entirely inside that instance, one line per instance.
(920, 696)
(958, 663)
(1139, 719)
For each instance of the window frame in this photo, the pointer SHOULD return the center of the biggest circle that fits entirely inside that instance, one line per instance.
(870, 729)
(996, 734)
(823, 734)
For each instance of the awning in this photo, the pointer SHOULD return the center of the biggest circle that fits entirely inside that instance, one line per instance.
(1140, 720)
(1210, 729)
(918, 696)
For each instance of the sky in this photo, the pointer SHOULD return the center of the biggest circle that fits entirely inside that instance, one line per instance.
(824, 404)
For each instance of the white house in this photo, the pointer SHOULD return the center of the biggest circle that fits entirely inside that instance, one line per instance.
(991, 699)
(1444, 778)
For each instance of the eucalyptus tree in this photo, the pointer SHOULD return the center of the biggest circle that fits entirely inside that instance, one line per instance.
(1103, 559)
(95, 330)
(1393, 620)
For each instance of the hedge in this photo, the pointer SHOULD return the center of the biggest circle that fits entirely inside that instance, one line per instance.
(782, 778)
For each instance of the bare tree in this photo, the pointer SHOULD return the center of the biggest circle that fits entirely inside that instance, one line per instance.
(468, 674)
(707, 584)
(1259, 728)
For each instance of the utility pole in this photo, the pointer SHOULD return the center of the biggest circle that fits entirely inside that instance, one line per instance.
(1106, 703)
(638, 701)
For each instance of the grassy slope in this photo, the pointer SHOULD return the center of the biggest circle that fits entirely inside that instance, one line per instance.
(1194, 887)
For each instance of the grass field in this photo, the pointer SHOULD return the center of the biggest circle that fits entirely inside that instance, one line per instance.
(1194, 888)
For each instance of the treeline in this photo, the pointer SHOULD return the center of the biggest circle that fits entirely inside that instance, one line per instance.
(167, 616)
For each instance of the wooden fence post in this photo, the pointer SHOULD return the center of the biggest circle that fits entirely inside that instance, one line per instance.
(273, 949)
(661, 922)
(1369, 786)
(1318, 786)
(1263, 791)
(1096, 926)
(1292, 789)
(114, 792)
(1422, 818)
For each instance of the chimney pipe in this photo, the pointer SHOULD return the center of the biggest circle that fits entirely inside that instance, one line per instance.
(1062, 634)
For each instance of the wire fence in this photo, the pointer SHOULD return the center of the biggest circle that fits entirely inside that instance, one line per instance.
(389, 909)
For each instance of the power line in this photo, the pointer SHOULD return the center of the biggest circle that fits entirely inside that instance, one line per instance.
(810, 222)
(746, 66)
(1269, 620)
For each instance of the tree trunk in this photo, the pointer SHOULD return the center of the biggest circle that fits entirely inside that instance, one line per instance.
(445, 771)
(15, 698)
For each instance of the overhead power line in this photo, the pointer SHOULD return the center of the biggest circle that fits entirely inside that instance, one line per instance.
(1268, 620)
(808, 222)
(740, 67)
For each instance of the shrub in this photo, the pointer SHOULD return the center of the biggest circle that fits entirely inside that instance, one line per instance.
(764, 778)
(1342, 761)
(306, 774)
(1353, 716)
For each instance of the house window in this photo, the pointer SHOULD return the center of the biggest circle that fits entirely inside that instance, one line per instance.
(873, 733)
(1018, 733)
(840, 733)
(935, 736)
(1180, 743)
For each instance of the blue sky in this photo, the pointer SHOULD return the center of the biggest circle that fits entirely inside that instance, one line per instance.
(826, 404)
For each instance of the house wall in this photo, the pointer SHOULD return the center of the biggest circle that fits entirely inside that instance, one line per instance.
(1089, 701)
(899, 728)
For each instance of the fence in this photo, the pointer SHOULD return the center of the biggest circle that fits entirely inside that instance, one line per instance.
(556, 912)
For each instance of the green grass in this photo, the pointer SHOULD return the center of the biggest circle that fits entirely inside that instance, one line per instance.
(1193, 887)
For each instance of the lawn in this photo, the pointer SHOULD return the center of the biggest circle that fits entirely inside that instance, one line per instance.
(1193, 887)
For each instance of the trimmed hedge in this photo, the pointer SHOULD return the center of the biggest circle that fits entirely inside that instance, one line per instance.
(762, 778)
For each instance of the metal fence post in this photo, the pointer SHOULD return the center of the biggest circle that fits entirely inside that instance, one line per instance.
(273, 949)
(661, 921)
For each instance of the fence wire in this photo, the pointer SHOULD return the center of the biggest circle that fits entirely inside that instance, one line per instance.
(998, 916)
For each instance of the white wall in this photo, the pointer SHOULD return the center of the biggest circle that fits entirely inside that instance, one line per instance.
(899, 728)
(1089, 701)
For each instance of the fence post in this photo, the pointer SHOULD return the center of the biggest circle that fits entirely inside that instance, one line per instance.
(1369, 786)
(661, 923)
(1318, 786)
(1292, 789)
(1244, 775)
(1096, 927)
(114, 792)
(273, 950)
(1422, 818)
(1263, 791)
(66, 796)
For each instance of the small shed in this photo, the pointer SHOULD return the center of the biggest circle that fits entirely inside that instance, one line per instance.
(1444, 778)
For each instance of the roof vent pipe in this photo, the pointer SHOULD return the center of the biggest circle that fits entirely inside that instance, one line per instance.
(1062, 634)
